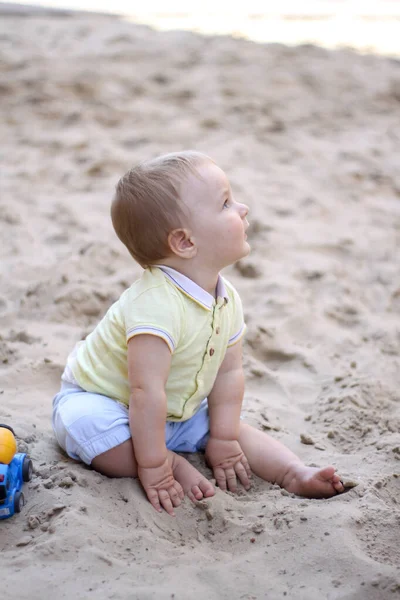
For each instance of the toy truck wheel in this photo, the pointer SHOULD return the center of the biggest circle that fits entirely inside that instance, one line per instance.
(18, 501)
(27, 469)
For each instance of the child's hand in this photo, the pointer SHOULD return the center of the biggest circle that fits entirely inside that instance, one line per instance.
(161, 487)
(228, 461)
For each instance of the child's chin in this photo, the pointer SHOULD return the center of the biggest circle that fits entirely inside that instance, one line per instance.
(247, 248)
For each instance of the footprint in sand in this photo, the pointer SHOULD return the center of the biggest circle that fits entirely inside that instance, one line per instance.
(383, 548)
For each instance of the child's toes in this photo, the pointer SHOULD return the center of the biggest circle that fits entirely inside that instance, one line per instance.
(337, 483)
(327, 474)
(196, 493)
(338, 486)
(204, 489)
(207, 488)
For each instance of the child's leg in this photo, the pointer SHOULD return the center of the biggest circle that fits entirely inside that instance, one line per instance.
(120, 462)
(117, 462)
(95, 429)
(272, 461)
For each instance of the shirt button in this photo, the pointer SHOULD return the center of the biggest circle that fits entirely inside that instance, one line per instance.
(217, 330)
(211, 351)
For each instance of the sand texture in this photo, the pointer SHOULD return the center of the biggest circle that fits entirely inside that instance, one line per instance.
(310, 140)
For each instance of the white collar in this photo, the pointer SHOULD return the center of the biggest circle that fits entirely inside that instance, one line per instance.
(194, 291)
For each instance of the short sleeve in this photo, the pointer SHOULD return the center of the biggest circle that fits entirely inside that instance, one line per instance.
(238, 326)
(156, 311)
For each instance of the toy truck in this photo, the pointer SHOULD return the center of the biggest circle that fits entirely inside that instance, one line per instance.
(15, 468)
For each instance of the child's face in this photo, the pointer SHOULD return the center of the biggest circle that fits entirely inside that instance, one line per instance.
(218, 223)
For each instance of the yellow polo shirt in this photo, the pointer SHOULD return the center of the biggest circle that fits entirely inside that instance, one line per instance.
(197, 328)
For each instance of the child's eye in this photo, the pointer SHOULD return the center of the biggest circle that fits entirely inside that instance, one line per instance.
(226, 205)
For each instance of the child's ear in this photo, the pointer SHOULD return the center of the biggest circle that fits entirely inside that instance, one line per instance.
(181, 243)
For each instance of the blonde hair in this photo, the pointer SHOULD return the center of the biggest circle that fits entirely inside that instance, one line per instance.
(147, 204)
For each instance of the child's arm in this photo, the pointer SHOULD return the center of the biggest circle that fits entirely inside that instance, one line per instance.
(223, 451)
(149, 360)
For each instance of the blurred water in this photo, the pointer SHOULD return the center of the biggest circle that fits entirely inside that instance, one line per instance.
(369, 26)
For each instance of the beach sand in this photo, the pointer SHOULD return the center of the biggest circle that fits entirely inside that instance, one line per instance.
(310, 141)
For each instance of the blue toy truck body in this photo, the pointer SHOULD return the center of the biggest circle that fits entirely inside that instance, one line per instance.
(12, 477)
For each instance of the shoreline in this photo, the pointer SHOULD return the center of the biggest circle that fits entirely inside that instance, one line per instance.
(362, 31)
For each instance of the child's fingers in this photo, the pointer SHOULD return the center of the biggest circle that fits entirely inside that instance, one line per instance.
(179, 489)
(165, 501)
(246, 465)
(153, 498)
(174, 495)
(242, 475)
(220, 477)
(231, 479)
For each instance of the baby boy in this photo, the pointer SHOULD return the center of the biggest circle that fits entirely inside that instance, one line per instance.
(162, 371)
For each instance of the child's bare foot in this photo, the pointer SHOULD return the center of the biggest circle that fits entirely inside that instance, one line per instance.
(194, 484)
(312, 482)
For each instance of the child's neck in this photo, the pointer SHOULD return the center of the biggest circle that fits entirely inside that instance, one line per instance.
(205, 278)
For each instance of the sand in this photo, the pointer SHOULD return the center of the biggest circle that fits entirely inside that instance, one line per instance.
(310, 140)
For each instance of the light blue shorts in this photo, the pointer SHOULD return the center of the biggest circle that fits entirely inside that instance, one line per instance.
(87, 424)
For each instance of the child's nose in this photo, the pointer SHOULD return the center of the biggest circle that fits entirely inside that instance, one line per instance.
(244, 209)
